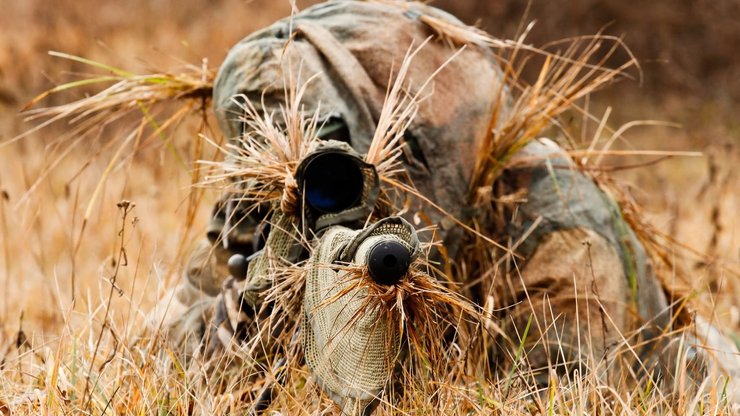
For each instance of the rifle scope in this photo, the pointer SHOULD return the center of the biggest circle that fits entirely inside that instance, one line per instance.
(333, 182)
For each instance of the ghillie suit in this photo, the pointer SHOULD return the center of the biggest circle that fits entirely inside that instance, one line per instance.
(570, 281)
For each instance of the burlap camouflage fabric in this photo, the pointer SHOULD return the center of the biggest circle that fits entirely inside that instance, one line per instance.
(350, 353)
(582, 258)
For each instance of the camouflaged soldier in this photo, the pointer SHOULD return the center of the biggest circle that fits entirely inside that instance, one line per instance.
(341, 42)
(581, 259)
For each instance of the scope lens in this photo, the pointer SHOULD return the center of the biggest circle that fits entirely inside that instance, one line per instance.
(333, 182)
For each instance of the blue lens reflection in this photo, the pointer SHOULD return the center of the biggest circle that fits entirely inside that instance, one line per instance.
(333, 183)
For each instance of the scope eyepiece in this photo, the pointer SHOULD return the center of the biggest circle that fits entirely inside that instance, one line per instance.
(332, 182)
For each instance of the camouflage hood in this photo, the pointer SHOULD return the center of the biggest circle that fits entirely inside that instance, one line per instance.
(352, 48)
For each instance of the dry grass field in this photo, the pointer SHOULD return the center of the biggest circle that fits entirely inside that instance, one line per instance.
(74, 288)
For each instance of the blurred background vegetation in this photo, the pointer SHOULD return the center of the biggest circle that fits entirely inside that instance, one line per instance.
(690, 75)
(687, 48)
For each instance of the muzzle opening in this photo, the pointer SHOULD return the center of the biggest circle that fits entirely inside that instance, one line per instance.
(388, 262)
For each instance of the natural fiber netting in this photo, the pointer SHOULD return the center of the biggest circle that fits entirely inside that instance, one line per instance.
(277, 249)
(400, 231)
(260, 276)
(350, 346)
